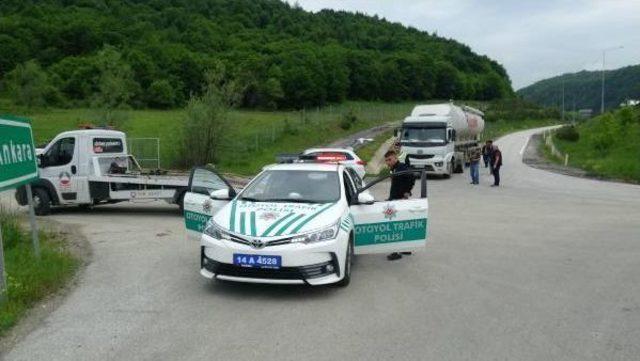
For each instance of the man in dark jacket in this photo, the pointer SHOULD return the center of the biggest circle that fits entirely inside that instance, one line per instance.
(400, 187)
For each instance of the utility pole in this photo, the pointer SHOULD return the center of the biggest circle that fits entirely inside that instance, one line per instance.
(563, 98)
(604, 52)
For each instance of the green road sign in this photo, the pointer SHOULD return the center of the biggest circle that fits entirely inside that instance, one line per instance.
(17, 155)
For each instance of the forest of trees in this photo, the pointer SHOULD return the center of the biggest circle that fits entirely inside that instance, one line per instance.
(583, 89)
(156, 53)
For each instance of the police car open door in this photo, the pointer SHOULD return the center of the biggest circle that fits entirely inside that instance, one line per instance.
(390, 226)
(208, 192)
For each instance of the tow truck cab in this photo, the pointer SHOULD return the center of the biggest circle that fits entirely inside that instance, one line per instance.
(92, 166)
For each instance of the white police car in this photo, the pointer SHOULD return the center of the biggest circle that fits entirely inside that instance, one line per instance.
(296, 223)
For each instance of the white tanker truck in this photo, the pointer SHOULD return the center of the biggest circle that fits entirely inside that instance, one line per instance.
(437, 137)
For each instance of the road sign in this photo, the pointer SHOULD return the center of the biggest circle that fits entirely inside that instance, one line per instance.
(18, 164)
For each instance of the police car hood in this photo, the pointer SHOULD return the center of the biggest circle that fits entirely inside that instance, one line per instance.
(275, 219)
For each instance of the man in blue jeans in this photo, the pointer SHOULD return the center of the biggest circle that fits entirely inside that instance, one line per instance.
(474, 158)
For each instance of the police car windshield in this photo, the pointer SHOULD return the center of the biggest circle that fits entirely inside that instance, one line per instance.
(295, 186)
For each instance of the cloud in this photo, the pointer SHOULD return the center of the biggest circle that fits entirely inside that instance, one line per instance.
(532, 39)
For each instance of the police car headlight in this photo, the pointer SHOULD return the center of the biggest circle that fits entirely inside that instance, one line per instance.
(438, 164)
(326, 234)
(215, 231)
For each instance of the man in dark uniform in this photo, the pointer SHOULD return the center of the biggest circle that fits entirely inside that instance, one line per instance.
(400, 187)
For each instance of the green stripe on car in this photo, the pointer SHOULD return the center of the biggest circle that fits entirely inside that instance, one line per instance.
(232, 219)
(314, 215)
(253, 224)
(242, 222)
(283, 228)
(275, 224)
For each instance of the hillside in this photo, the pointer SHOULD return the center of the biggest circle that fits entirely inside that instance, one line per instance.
(585, 88)
(281, 55)
(607, 146)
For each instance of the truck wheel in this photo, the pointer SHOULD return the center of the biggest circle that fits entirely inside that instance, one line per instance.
(41, 202)
(458, 168)
(449, 170)
(348, 262)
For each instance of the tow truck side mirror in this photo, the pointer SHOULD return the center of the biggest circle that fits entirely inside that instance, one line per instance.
(222, 194)
(365, 198)
(395, 132)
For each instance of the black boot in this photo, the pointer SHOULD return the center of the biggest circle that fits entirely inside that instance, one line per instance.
(394, 256)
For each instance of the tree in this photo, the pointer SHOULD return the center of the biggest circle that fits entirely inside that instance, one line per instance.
(161, 94)
(115, 87)
(29, 85)
(207, 118)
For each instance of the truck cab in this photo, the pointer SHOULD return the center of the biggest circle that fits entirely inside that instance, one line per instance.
(65, 163)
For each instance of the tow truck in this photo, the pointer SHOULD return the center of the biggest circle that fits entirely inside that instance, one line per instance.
(88, 167)
(297, 223)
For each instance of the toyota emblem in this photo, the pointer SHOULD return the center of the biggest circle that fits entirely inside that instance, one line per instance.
(257, 244)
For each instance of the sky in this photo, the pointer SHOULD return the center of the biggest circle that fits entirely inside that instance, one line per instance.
(532, 39)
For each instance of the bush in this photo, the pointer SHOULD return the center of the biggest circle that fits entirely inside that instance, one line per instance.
(161, 94)
(348, 119)
(289, 128)
(568, 133)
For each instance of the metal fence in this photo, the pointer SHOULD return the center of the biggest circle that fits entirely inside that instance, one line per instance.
(146, 151)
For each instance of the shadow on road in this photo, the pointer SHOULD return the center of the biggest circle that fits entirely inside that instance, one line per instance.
(266, 292)
(120, 211)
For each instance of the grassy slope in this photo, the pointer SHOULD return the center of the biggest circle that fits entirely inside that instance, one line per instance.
(609, 146)
(29, 280)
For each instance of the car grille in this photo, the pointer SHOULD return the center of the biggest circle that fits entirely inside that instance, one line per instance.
(283, 273)
(277, 242)
(421, 156)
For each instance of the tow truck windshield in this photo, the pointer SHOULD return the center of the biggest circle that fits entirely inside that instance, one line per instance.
(423, 137)
(294, 186)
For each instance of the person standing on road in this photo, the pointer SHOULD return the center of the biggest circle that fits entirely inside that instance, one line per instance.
(497, 163)
(490, 155)
(401, 187)
(474, 164)
(486, 153)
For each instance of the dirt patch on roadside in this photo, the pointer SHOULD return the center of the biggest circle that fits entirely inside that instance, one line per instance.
(76, 244)
(533, 157)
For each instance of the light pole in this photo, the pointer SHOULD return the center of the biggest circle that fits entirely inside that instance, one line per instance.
(604, 52)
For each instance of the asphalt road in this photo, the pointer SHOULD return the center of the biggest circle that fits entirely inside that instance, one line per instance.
(546, 267)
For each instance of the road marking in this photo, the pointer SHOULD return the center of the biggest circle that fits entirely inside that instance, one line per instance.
(525, 146)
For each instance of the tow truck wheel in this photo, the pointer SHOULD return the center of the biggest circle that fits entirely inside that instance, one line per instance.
(41, 202)
(348, 262)
(180, 201)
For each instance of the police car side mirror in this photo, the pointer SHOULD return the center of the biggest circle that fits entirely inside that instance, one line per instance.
(222, 194)
(365, 198)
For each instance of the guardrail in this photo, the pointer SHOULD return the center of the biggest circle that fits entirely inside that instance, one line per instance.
(548, 141)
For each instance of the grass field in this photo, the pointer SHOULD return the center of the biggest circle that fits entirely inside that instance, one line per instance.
(29, 280)
(609, 146)
(253, 139)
